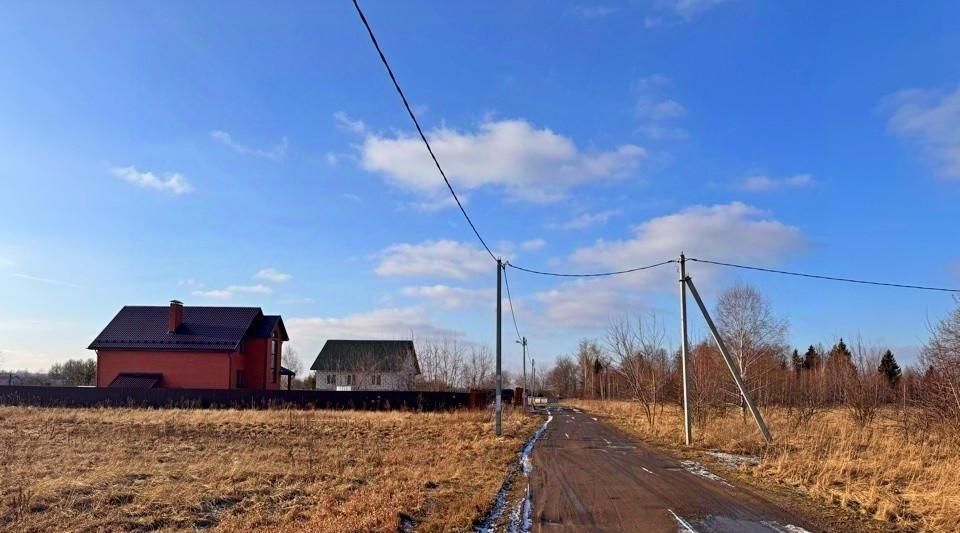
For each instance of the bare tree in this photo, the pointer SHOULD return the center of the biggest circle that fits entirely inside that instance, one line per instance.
(478, 371)
(865, 389)
(641, 359)
(940, 395)
(752, 334)
(75, 371)
(441, 364)
(290, 360)
(562, 378)
(588, 358)
(709, 375)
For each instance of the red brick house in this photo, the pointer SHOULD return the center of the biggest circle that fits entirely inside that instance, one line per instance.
(191, 347)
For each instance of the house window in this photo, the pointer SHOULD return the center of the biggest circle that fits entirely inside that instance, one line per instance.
(274, 358)
(331, 379)
(240, 382)
(351, 379)
(375, 379)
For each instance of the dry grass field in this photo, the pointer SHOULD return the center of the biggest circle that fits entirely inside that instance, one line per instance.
(135, 469)
(909, 478)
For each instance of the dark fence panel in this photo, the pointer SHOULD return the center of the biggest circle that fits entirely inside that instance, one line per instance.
(231, 398)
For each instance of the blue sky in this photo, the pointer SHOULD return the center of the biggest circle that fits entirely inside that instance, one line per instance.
(255, 154)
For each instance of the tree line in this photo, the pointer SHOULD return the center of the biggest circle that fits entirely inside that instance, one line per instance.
(633, 362)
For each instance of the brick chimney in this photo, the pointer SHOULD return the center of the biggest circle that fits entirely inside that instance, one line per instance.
(176, 316)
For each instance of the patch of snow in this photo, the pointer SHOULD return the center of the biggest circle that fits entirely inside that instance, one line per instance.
(698, 469)
(526, 465)
(789, 528)
(488, 523)
(733, 460)
(522, 520)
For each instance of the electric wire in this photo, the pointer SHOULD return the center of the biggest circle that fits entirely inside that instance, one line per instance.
(413, 117)
(443, 174)
(592, 274)
(506, 283)
(436, 162)
(830, 278)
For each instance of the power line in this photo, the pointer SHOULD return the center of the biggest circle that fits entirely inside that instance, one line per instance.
(593, 274)
(416, 123)
(831, 278)
(506, 282)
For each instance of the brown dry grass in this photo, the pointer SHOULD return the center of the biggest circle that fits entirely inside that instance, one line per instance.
(134, 469)
(911, 479)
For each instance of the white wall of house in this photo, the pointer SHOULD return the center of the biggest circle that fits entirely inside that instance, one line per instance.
(365, 380)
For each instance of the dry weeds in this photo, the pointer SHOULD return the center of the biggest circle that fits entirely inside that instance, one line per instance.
(134, 469)
(908, 478)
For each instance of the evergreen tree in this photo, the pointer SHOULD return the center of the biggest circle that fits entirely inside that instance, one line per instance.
(840, 350)
(811, 359)
(840, 358)
(796, 361)
(889, 368)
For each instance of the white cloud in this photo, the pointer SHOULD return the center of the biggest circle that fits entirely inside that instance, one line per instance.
(727, 232)
(591, 12)
(229, 292)
(251, 289)
(673, 12)
(690, 9)
(532, 245)
(585, 220)
(528, 163)
(394, 323)
(174, 183)
(583, 304)
(277, 152)
(766, 183)
(438, 203)
(931, 119)
(451, 297)
(272, 274)
(660, 109)
(444, 258)
(296, 300)
(656, 112)
(733, 230)
(46, 281)
(222, 294)
(345, 122)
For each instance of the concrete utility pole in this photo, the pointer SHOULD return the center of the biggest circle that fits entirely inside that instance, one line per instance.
(533, 367)
(730, 364)
(499, 406)
(687, 432)
(523, 342)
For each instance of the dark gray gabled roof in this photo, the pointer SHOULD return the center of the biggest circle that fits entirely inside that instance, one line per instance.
(264, 327)
(365, 355)
(203, 328)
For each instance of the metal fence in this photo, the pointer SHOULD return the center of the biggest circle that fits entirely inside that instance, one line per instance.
(232, 398)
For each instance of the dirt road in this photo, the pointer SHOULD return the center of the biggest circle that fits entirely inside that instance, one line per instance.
(588, 476)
